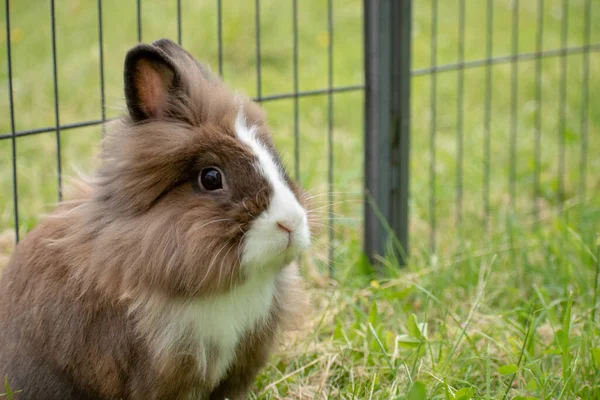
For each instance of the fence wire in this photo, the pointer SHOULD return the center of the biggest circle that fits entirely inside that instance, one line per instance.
(296, 94)
(541, 135)
(515, 58)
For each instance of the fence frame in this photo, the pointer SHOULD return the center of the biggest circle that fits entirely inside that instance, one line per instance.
(387, 31)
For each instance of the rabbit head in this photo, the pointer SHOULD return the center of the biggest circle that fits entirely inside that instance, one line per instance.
(191, 196)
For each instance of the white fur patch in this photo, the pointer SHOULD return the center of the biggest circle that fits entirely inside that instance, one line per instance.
(219, 321)
(266, 244)
(224, 319)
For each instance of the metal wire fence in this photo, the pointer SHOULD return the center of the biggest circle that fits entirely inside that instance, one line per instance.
(14, 134)
(395, 102)
(502, 127)
(567, 64)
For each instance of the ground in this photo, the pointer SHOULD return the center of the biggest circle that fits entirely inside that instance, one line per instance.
(500, 310)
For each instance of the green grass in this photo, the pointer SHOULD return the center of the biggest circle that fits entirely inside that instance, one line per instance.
(514, 319)
(498, 313)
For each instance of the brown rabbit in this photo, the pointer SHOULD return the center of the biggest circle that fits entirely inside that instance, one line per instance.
(171, 276)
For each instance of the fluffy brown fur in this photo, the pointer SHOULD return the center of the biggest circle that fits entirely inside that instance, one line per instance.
(87, 294)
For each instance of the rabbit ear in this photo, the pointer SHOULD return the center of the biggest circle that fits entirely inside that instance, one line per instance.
(176, 52)
(172, 49)
(151, 77)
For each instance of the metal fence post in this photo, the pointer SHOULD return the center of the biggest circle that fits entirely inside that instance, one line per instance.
(387, 30)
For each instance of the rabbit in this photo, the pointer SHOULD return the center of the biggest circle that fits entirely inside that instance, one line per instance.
(172, 273)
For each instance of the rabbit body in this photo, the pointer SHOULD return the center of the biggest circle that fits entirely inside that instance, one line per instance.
(58, 343)
(170, 275)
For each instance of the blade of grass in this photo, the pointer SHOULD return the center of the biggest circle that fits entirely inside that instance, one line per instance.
(566, 345)
(466, 324)
(294, 372)
(521, 354)
(595, 301)
(383, 350)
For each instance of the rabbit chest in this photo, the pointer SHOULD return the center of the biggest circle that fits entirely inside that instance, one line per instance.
(214, 327)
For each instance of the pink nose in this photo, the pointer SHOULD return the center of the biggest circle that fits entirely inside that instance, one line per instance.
(284, 227)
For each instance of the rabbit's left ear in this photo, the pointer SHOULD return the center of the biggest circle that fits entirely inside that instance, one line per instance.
(151, 78)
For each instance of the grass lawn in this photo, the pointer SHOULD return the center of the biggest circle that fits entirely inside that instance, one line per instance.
(508, 311)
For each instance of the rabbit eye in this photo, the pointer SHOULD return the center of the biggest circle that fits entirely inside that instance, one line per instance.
(211, 179)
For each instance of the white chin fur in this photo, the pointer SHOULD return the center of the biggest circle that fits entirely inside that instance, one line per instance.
(265, 244)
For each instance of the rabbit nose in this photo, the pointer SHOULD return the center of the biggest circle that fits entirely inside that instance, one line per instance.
(285, 226)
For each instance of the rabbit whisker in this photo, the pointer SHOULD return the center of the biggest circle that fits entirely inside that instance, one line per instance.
(224, 259)
(215, 221)
(221, 265)
(212, 262)
(257, 193)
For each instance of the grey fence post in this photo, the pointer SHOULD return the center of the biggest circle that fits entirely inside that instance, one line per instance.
(387, 30)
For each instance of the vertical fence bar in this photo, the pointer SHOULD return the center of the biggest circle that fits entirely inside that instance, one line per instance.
(139, 21)
(258, 66)
(460, 112)
(330, 134)
(538, 119)
(56, 106)
(563, 104)
(585, 81)
(101, 61)
(13, 138)
(220, 35)
(387, 124)
(487, 150)
(512, 173)
(433, 128)
(179, 38)
(296, 105)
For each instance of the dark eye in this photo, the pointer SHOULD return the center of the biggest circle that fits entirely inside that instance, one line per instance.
(211, 179)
